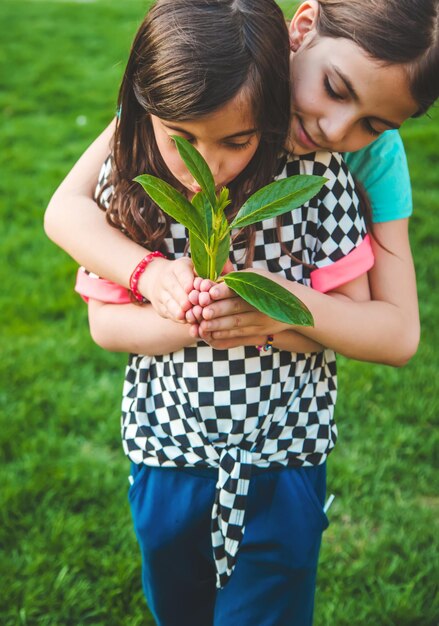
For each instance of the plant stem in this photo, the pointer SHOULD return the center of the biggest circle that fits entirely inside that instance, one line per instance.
(213, 250)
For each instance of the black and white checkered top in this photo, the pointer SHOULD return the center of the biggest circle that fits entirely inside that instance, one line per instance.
(238, 408)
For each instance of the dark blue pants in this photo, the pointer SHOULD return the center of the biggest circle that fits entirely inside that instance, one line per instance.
(273, 583)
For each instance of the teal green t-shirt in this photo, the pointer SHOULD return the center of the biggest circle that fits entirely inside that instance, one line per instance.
(381, 167)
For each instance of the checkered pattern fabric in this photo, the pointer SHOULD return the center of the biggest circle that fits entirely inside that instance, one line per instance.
(238, 408)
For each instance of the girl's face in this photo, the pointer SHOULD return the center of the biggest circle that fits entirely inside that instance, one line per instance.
(341, 98)
(226, 138)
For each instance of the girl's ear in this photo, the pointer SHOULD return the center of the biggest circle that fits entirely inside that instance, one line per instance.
(303, 22)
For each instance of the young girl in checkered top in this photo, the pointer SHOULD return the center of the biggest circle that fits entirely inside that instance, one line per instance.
(228, 444)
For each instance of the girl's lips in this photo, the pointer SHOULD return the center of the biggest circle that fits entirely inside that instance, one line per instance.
(304, 138)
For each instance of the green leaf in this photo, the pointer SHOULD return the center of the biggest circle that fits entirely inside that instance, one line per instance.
(171, 202)
(197, 167)
(223, 253)
(270, 298)
(277, 198)
(223, 200)
(199, 255)
(204, 214)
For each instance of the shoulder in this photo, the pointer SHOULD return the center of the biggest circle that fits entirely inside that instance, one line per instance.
(315, 163)
(330, 165)
(387, 146)
(339, 188)
(382, 169)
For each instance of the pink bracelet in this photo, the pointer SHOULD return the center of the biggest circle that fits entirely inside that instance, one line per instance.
(138, 271)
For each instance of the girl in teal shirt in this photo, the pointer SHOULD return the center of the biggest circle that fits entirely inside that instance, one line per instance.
(381, 167)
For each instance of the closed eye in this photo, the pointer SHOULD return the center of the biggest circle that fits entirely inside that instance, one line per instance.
(370, 129)
(172, 142)
(329, 90)
(239, 146)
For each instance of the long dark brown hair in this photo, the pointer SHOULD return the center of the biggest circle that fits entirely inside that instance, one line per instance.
(402, 32)
(189, 58)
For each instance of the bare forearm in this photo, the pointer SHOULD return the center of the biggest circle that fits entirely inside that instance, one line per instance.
(366, 331)
(385, 330)
(137, 329)
(362, 330)
(92, 252)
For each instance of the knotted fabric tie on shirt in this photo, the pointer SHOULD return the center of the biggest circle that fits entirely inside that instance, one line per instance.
(228, 511)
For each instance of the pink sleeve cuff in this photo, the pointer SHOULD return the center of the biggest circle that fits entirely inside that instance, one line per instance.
(356, 263)
(90, 286)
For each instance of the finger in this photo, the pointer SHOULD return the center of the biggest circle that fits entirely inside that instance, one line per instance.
(194, 331)
(230, 322)
(220, 291)
(197, 282)
(206, 284)
(190, 317)
(244, 334)
(205, 299)
(207, 337)
(198, 313)
(178, 283)
(247, 323)
(228, 307)
(185, 306)
(174, 311)
(170, 312)
(174, 295)
(184, 272)
(193, 296)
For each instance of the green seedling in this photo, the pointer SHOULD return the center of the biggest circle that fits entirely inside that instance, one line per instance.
(210, 232)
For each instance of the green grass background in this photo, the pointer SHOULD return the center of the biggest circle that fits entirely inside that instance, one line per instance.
(68, 553)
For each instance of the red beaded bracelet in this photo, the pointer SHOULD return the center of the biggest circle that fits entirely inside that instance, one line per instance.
(138, 271)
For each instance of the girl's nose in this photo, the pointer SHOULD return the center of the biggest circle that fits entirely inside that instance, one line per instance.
(212, 159)
(334, 130)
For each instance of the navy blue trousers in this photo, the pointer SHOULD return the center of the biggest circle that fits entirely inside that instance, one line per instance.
(273, 583)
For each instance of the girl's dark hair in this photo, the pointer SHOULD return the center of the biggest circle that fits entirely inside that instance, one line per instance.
(392, 31)
(189, 58)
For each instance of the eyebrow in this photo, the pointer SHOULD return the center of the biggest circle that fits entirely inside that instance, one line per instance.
(349, 86)
(241, 133)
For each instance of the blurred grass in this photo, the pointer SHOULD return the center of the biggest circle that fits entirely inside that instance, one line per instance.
(68, 553)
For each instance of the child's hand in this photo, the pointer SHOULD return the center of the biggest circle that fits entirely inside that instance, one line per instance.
(167, 284)
(227, 344)
(199, 297)
(223, 316)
